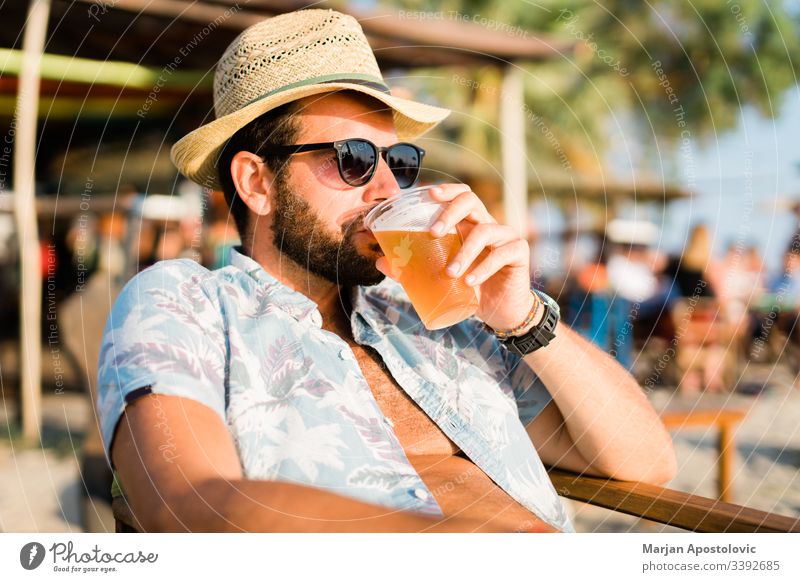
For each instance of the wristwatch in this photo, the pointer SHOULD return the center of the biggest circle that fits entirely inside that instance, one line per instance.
(539, 335)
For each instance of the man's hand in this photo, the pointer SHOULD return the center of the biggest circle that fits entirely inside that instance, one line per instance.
(494, 257)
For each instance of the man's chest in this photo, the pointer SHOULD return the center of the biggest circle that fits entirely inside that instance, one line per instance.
(417, 433)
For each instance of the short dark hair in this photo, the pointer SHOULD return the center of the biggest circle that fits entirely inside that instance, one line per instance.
(277, 126)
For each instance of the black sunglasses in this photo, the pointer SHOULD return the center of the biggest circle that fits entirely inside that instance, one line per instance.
(357, 159)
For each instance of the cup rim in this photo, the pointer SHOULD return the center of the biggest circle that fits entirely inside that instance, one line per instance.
(371, 215)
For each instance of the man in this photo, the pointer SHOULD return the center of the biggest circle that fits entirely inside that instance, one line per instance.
(295, 389)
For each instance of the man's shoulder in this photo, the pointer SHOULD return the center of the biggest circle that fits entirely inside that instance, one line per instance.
(181, 267)
(163, 305)
(171, 269)
(171, 281)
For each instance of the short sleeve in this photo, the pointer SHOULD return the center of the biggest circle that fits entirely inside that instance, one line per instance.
(530, 393)
(516, 378)
(164, 335)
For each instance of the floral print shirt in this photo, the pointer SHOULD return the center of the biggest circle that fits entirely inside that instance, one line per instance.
(293, 396)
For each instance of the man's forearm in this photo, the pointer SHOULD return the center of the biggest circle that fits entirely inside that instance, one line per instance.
(270, 506)
(610, 420)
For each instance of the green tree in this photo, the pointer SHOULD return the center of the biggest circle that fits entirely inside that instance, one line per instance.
(667, 66)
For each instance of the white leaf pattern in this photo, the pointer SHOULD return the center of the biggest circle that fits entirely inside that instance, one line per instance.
(383, 478)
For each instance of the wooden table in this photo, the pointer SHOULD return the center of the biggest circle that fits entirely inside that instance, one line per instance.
(725, 420)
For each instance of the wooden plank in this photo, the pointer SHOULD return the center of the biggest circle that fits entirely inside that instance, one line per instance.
(398, 41)
(667, 506)
(512, 150)
(703, 417)
(30, 299)
(231, 17)
(52, 206)
(111, 73)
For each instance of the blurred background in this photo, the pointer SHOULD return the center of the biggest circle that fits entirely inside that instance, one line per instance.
(647, 150)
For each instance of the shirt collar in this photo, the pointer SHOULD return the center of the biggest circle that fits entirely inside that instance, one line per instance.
(301, 307)
(292, 302)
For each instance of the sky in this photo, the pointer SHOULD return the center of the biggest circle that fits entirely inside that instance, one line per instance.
(736, 179)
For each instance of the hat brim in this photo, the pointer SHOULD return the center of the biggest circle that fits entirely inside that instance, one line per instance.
(195, 155)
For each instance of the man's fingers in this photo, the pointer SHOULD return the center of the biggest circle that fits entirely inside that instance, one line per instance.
(446, 192)
(464, 206)
(511, 254)
(479, 238)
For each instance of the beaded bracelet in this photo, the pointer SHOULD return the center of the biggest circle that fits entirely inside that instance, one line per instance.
(523, 327)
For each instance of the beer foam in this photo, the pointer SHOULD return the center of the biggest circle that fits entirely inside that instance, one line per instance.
(418, 218)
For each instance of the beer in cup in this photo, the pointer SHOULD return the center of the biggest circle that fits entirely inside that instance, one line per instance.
(418, 259)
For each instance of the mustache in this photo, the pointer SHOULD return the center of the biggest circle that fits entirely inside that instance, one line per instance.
(356, 223)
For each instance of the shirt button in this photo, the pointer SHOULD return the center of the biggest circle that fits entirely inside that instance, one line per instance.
(344, 354)
(420, 494)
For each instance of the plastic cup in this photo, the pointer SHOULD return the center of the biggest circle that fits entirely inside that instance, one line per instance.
(418, 259)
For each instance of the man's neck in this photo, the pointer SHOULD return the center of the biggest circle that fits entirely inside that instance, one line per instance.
(332, 300)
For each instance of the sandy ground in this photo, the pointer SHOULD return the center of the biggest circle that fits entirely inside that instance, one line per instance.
(40, 488)
(766, 472)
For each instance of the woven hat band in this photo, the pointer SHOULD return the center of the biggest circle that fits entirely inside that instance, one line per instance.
(354, 78)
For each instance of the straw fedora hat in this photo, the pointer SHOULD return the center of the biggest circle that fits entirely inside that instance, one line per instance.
(282, 59)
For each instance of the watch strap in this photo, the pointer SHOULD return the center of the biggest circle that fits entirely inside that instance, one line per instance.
(539, 335)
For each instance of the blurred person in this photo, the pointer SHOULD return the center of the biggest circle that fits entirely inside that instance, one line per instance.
(632, 264)
(170, 243)
(707, 316)
(635, 267)
(694, 272)
(296, 389)
(112, 253)
(82, 241)
(741, 283)
(145, 240)
(786, 285)
(81, 318)
(220, 235)
(781, 308)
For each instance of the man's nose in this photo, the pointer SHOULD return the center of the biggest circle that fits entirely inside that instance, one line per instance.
(383, 184)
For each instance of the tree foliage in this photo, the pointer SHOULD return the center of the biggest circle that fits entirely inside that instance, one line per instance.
(668, 67)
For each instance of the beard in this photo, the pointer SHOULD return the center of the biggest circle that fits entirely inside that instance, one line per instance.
(301, 235)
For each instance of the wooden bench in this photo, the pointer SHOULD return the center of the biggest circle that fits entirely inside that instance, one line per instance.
(670, 507)
(726, 421)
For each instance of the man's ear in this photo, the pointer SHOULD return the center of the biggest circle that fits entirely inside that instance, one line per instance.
(253, 180)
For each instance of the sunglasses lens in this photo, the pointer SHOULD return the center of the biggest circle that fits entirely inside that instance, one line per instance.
(357, 161)
(404, 162)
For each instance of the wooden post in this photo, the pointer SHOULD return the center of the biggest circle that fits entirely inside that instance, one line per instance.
(512, 137)
(727, 452)
(25, 213)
